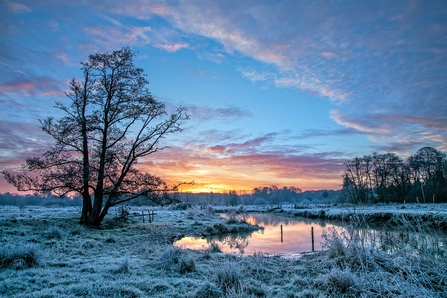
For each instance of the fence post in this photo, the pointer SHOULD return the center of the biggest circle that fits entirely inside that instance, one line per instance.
(312, 233)
(142, 213)
(282, 235)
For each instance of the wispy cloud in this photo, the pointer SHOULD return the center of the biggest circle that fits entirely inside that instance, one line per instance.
(115, 37)
(370, 57)
(208, 113)
(17, 7)
(36, 86)
(255, 76)
(172, 47)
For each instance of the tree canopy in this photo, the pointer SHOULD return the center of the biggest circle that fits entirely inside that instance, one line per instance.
(422, 177)
(112, 121)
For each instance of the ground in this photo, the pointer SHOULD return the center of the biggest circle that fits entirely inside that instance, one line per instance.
(44, 252)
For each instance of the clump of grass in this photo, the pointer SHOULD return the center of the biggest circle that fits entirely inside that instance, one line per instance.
(233, 219)
(110, 239)
(54, 232)
(213, 248)
(187, 264)
(123, 267)
(20, 256)
(169, 257)
(202, 213)
(208, 290)
(221, 228)
(210, 210)
(76, 230)
(339, 281)
(390, 266)
(90, 244)
(229, 277)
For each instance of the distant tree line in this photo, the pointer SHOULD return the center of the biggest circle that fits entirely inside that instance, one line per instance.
(374, 178)
(263, 195)
(36, 200)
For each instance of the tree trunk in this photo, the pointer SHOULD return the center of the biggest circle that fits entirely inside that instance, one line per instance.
(103, 213)
(96, 210)
(86, 208)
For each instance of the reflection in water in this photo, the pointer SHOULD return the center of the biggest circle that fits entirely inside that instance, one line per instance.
(296, 237)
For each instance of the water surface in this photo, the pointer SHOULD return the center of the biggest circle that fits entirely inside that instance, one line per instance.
(296, 237)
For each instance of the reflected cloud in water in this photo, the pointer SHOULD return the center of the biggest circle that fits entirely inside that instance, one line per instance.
(296, 237)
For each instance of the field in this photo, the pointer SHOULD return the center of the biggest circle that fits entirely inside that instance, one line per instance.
(45, 253)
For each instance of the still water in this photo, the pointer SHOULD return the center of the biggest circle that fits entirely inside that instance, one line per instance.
(295, 238)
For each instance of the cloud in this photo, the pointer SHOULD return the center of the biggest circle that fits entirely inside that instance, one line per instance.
(36, 86)
(246, 164)
(255, 76)
(114, 37)
(17, 7)
(375, 59)
(173, 47)
(208, 113)
(371, 125)
(20, 141)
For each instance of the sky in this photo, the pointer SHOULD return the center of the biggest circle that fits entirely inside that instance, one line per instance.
(278, 92)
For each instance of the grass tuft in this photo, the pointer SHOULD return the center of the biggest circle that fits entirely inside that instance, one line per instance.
(208, 290)
(20, 256)
(123, 267)
(54, 232)
(229, 277)
(187, 264)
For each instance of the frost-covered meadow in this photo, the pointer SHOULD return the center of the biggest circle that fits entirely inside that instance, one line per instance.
(45, 253)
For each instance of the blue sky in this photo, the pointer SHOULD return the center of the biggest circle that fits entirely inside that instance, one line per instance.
(279, 92)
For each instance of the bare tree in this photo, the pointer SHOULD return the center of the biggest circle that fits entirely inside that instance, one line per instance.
(112, 122)
(357, 179)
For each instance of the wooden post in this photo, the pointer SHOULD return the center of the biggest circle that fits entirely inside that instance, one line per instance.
(312, 233)
(282, 235)
(153, 215)
(142, 213)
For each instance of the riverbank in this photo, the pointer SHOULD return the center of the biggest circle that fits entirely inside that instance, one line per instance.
(45, 253)
(429, 215)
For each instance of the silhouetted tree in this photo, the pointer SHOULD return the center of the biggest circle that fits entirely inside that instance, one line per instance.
(112, 122)
(386, 177)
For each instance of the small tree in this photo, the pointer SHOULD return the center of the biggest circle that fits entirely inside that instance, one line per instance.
(112, 122)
